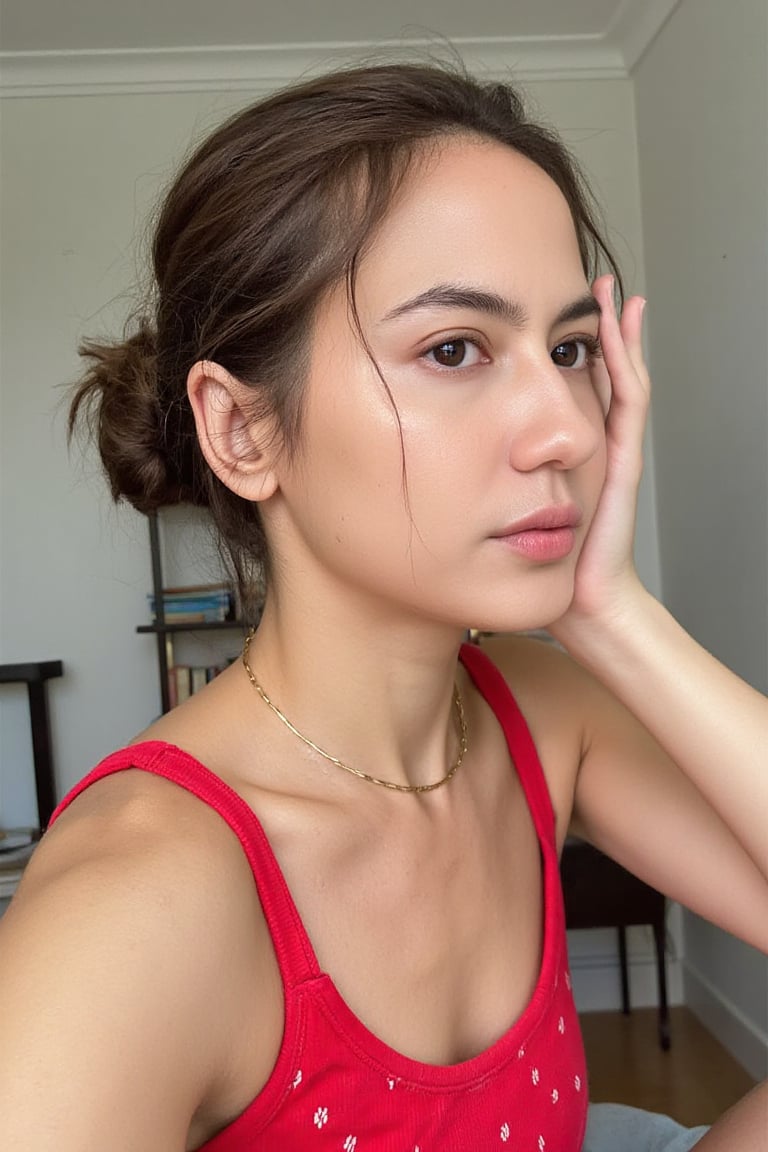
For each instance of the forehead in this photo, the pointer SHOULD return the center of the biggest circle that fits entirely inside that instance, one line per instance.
(475, 210)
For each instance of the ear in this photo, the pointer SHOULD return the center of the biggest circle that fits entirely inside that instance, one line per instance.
(241, 451)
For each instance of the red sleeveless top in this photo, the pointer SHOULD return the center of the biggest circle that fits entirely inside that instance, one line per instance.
(336, 1087)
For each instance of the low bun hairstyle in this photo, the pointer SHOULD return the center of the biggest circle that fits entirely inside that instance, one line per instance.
(275, 208)
(119, 396)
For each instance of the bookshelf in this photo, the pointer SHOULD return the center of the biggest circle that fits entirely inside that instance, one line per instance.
(163, 629)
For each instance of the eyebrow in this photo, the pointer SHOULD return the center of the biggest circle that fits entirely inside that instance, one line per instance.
(491, 304)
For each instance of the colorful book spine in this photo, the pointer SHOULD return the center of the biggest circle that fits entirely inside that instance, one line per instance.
(201, 604)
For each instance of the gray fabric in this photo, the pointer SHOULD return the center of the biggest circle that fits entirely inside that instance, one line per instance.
(619, 1128)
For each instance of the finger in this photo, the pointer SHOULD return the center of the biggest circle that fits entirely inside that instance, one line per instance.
(629, 380)
(631, 327)
(602, 289)
(625, 424)
(601, 377)
(601, 382)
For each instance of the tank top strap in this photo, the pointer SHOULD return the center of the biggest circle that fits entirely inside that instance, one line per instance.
(498, 695)
(295, 955)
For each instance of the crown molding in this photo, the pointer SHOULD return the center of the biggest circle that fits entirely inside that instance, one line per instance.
(635, 27)
(263, 68)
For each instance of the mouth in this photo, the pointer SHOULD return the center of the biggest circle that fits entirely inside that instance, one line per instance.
(545, 535)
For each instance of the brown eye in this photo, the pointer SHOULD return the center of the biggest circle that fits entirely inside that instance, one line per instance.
(572, 354)
(451, 353)
(457, 352)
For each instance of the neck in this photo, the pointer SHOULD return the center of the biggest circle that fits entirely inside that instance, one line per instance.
(378, 696)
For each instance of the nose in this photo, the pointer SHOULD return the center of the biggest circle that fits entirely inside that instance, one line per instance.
(556, 419)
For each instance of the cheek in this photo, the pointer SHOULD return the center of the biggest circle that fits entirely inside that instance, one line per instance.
(346, 496)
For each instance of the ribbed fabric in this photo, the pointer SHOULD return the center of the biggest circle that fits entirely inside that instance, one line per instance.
(336, 1087)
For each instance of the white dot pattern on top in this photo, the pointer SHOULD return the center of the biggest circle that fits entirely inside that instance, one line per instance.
(321, 1117)
(538, 1074)
(539, 1061)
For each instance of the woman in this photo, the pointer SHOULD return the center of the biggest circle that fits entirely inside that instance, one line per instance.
(374, 353)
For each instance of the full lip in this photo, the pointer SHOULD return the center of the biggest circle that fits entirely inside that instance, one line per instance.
(547, 519)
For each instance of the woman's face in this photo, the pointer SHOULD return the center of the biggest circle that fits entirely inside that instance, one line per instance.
(475, 307)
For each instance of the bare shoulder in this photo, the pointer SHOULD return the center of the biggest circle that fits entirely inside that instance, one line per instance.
(557, 699)
(111, 956)
(138, 830)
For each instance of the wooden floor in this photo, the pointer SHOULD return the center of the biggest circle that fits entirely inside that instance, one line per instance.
(694, 1082)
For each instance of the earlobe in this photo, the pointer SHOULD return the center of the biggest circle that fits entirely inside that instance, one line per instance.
(240, 450)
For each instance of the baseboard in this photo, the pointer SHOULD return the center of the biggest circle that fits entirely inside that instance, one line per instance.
(746, 1043)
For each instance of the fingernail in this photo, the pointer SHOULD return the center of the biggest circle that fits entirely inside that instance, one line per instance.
(643, 303)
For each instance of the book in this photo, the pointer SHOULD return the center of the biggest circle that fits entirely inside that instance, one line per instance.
(202, 617)
(196, 604)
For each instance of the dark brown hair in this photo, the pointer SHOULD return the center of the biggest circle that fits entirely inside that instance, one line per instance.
(272, 210)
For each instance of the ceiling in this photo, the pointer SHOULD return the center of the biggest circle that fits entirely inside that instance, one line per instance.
(94, 25)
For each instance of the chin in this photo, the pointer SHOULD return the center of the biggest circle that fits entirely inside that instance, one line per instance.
(524, 614)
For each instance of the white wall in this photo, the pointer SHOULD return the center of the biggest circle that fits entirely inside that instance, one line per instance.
(702, 105)
(79, 175)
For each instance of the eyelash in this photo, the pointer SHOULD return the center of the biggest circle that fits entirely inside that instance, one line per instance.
(592, 348)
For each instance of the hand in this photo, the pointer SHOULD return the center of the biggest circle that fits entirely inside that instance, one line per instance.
(605, 577)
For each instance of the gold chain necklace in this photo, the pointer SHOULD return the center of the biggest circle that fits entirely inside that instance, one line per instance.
(461, 723)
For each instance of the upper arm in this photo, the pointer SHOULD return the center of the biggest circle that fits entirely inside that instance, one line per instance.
(113, 1012)
(633, 803)
(613, 785)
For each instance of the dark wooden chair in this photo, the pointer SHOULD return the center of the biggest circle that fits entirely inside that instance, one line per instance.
(601, 894)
